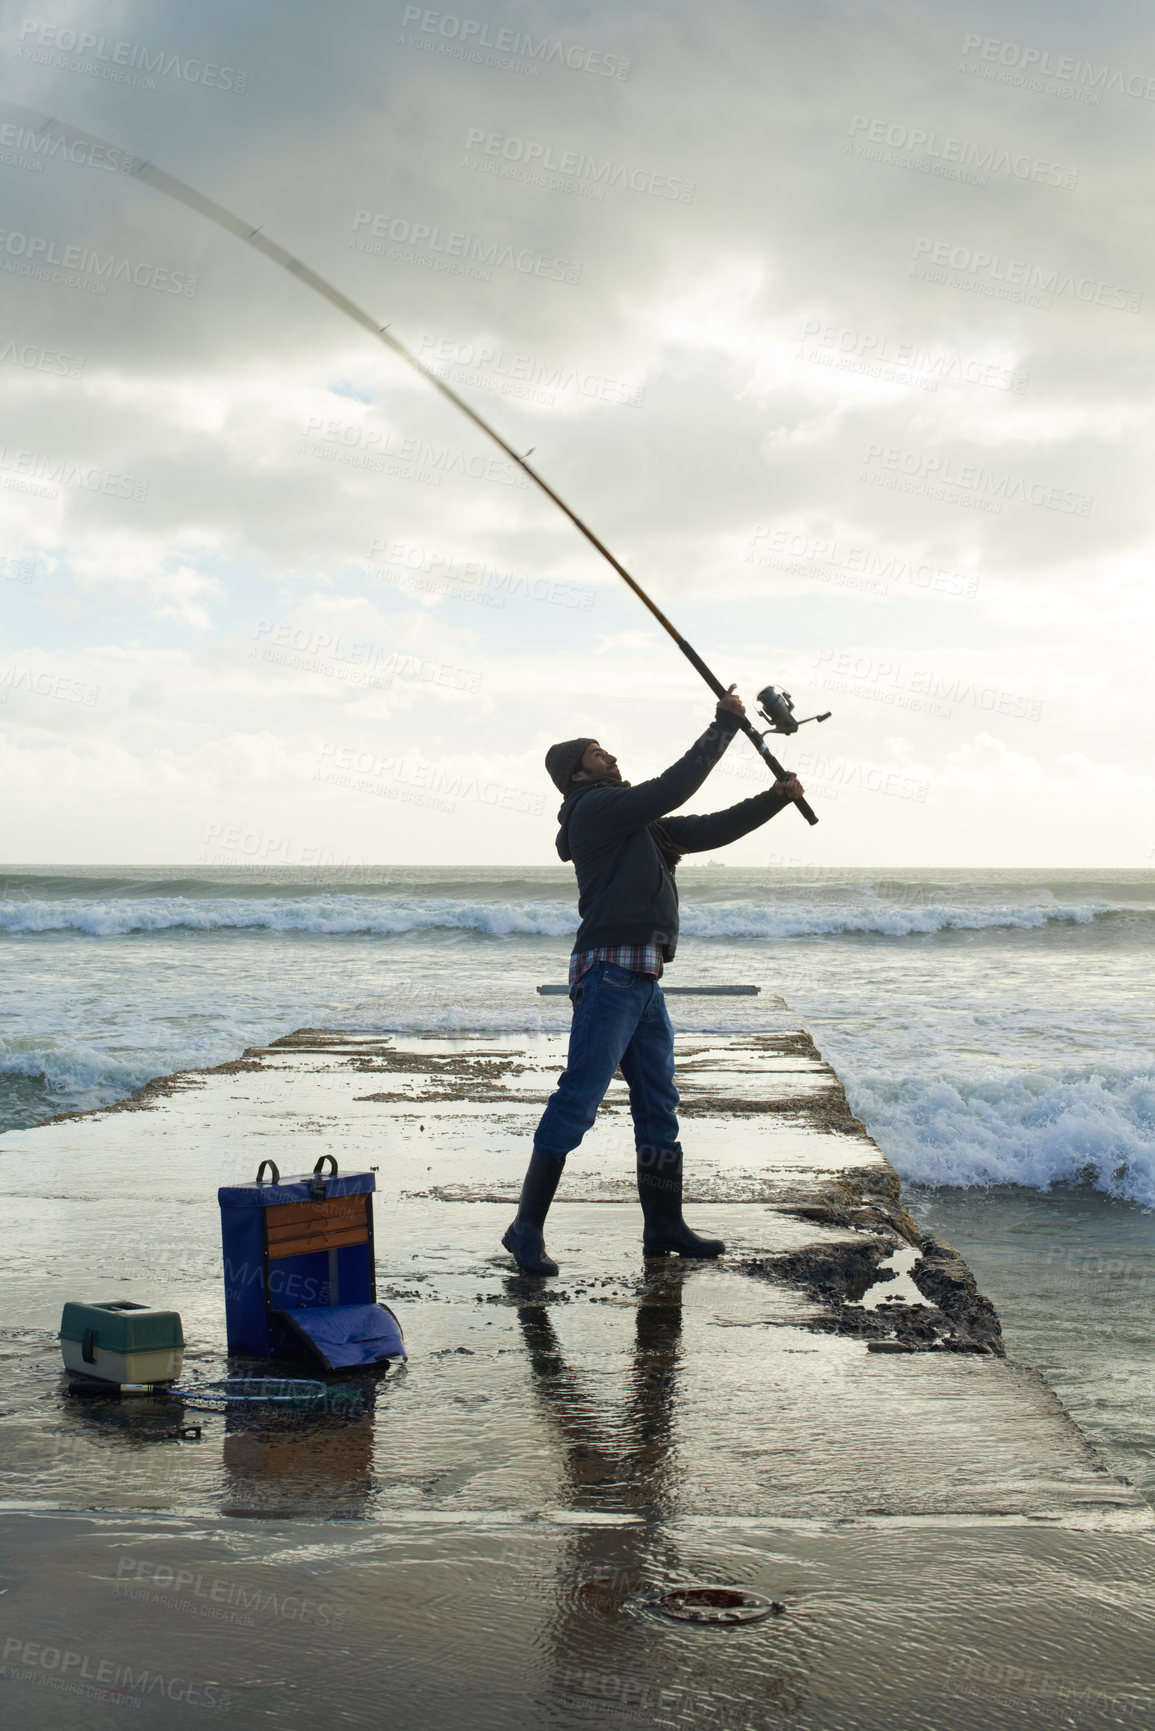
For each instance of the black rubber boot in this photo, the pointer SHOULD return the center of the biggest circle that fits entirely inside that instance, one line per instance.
(660, 1193)
(524, 1239)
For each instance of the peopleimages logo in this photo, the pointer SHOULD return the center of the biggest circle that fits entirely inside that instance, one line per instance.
(356, 660)
(410, 566)
(933, 152)
(989, 273)
(61, 686)
(473, 39)
(24, 570)
(376, 448)
(116, 61)
(881, 357)
(852, 566)
(461, 254)
(925, 689)
(489, 367)
(418, 783)
(33, 471)
(38, 256)
(966, 483)
(39, 359)
(162, 1580)
(1037, 64)
(542, 159)
(103, 1679)
(40, 146)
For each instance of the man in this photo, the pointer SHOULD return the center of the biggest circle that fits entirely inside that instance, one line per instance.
(625, 849)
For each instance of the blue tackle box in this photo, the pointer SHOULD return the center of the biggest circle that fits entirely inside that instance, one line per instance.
(299, 1269)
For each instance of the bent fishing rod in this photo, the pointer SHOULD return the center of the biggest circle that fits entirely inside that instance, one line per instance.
(776, 706)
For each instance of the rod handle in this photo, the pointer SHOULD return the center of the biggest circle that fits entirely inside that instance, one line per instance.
(768, 757)
(746, 725)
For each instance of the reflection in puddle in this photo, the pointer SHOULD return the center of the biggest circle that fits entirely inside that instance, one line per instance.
(300, 1463)
(622, 1456)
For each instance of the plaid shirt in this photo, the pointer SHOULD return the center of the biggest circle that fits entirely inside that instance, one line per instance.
(638, 958)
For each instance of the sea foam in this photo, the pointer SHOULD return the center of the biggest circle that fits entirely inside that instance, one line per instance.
(780, 916)
(1028, 1126)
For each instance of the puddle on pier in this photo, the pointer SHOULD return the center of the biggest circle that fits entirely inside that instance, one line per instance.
(496, 1412)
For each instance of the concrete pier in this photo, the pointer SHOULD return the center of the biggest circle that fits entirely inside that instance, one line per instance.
(825, 1417)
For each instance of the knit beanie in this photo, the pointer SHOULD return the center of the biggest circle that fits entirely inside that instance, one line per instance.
(561, 761)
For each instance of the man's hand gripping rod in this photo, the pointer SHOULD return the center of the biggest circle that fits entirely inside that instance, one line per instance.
(260, 242)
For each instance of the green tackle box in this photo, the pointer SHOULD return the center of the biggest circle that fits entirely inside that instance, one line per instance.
(120, 1341)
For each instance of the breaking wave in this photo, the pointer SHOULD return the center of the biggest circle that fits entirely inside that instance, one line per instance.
(783, 916)
(1037, 1128)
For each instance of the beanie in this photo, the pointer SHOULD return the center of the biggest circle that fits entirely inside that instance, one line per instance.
(561, 761)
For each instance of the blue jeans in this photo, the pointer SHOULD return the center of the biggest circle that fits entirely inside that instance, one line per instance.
(619, 1018)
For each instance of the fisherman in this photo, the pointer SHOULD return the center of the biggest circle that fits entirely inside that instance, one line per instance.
(625, 850)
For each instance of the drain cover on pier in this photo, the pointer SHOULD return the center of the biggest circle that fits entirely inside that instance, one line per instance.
(715, 1605)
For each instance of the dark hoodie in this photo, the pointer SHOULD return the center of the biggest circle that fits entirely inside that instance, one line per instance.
(626, 891)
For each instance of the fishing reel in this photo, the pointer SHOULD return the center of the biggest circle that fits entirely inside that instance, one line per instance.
(777, 707)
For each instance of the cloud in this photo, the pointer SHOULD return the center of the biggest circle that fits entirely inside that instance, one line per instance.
(817, 319)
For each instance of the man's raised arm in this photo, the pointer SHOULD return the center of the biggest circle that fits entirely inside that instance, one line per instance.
(718, 828)
(631, 808)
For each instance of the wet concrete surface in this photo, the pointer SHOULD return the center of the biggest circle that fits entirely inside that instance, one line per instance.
(825, 1416)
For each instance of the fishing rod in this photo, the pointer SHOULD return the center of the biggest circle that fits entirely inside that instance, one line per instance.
(776, 706)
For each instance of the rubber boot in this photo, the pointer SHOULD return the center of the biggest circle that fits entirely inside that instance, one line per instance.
(660, 1193)
(524, 1239)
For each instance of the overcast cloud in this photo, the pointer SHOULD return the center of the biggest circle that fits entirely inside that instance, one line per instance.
(835, 323)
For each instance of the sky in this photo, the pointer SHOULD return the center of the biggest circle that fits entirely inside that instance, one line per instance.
(834, 323)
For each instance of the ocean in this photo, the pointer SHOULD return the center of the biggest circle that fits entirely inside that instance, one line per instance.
(993, 1030)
